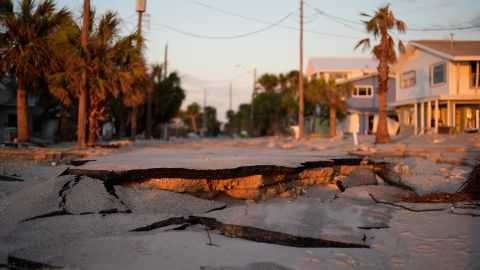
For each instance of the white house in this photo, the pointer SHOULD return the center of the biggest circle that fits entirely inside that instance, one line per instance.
(437, 86)
(340, 67)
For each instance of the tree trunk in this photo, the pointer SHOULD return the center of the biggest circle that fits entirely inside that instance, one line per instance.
(333, 119)
(382, 135)
(92, 125)
(133, 123)
(194, 123)
(82, 112)
(22, 110)
(83, 99)
(63, 125)
(148, 128)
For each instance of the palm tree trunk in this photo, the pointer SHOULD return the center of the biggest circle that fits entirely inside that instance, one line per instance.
(82, 112)
(22, 110)
(83, 99)
(382, 135)
(333, 119)
(92, 125)
(133, 123)
(194, 123)
(148, 128)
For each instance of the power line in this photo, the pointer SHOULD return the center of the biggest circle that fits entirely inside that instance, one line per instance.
(340, 20)
(444, 29)
(269, 23)
(225, 37)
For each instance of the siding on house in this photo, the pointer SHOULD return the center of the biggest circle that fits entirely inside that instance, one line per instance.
(420, 62)
(370, 103)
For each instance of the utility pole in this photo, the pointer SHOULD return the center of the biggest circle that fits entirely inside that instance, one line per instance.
(254, 91)
(204, 122)
(165, 75)
(83, 100)
(140, 10)
(301, 120)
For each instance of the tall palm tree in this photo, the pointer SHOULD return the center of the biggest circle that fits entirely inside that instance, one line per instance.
(379, 25)
(115, 68)
(193, 110)
(155, 77)
(320, 91)
(24, 42)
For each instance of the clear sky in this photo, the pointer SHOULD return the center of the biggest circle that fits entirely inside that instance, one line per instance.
(211, 64)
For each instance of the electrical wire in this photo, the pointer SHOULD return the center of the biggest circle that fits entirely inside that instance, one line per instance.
(223, 37)
(269, 23)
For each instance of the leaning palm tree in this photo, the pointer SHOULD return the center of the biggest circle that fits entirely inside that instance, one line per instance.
(379, 25)
(320, 91)
(24, 45)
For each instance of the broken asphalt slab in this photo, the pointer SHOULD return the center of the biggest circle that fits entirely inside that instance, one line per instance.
(161, 201)
(305, 223)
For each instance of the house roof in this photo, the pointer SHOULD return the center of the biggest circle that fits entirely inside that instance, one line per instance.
(358, 78)
(451, 49)
(342, 63)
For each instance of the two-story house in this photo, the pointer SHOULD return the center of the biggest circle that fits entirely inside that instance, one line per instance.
(438, 86)
(363, 100)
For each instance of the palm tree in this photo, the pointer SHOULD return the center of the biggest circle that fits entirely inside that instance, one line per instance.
(155, 77)
(24, 42)
(268, 81)
(193, 110)
(379, 25)
(114, 65)
(320, 91)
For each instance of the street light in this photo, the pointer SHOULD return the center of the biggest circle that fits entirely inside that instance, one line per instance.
(254, 72)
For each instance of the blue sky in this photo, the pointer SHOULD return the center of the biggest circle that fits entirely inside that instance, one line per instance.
(211, 63)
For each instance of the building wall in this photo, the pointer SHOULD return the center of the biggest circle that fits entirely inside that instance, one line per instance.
(462, 87)
(420, 61)
(372, 102)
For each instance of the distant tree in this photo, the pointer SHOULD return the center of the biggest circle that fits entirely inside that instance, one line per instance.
(213, 125)
(320, 91)
(243, 117)
(379, 25)
(24, 44)
(292, 78)
(193, 110)
(167, 97)
(268, 81)
(231, 124)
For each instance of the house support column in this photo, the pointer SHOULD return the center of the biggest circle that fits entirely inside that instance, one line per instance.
(415, 119)
(436, 115)
(454, 116)
(429, 116)
(422, 118)
(477, 119)
(449, 113)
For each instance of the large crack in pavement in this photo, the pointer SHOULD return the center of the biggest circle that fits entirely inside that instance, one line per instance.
(260, 182)
(248, 233)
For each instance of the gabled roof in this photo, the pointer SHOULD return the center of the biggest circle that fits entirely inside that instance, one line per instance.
(334, 64)
(457, 50)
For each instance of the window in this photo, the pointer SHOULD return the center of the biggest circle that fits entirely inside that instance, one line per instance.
(339, 75)
(12, 120)
(474, 74)
(438, 74)
(363, 91)
(408, 79)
